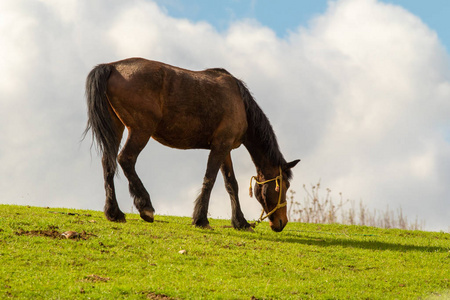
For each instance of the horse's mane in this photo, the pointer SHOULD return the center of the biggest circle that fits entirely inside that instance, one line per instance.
(260, 133)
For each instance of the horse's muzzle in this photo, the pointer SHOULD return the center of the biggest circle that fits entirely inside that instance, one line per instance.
(277, 224)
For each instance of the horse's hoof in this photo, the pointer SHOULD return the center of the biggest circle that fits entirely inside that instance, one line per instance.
(207, 226)
(249, 229)
(147, 216)
(242, 225)
(202, 225)
(245, 228)
(119, 218)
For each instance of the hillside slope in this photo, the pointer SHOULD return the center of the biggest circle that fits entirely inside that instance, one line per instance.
(71, 254)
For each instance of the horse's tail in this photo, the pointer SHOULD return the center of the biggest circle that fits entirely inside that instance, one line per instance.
(99, 118)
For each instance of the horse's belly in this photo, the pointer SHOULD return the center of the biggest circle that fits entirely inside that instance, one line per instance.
(183, 136)
(182, 143)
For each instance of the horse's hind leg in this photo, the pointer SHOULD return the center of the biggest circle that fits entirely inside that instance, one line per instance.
(127, 160)
(237, 219)
(111, 209)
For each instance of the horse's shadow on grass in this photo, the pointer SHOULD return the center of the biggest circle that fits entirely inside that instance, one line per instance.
(370, 245)
(326, 239)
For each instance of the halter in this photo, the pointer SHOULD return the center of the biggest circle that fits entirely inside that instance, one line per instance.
(277, 189)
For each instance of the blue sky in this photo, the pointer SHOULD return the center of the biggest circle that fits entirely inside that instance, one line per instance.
(286, 15)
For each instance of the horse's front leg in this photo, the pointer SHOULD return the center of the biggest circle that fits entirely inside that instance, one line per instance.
(237, 218)
(215, 160)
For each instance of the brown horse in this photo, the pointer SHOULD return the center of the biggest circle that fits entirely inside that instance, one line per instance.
(183, 109)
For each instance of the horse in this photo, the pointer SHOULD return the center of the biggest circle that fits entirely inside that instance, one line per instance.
(183, 109)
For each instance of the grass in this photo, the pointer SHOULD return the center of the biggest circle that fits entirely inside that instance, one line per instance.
(170, 259)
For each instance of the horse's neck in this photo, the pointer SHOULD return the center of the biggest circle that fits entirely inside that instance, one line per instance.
(264, 166)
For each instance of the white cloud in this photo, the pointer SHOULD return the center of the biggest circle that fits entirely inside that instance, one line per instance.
(360, 95)
(390, 109)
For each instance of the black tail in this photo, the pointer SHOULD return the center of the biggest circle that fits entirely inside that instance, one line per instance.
(99, 118)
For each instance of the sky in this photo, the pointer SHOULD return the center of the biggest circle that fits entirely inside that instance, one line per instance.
(358, 90)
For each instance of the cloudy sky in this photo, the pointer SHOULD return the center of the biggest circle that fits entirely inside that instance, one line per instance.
(358, 89)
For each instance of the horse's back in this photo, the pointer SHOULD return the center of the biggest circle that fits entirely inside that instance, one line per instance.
(184, 109)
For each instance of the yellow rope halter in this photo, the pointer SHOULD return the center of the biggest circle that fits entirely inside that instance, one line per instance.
(277, 188)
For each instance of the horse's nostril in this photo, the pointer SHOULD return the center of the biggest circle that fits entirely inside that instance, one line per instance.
(281, 224)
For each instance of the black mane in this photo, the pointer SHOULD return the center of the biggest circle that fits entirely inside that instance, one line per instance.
(260, 133)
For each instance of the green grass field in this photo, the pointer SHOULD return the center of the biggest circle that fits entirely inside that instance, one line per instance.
(170, 259)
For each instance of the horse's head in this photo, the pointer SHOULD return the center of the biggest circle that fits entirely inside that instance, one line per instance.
(271, 193)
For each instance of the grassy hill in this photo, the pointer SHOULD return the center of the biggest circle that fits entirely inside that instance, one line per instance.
(170, 259)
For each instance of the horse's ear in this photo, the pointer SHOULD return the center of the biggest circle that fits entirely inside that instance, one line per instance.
(291, 164)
